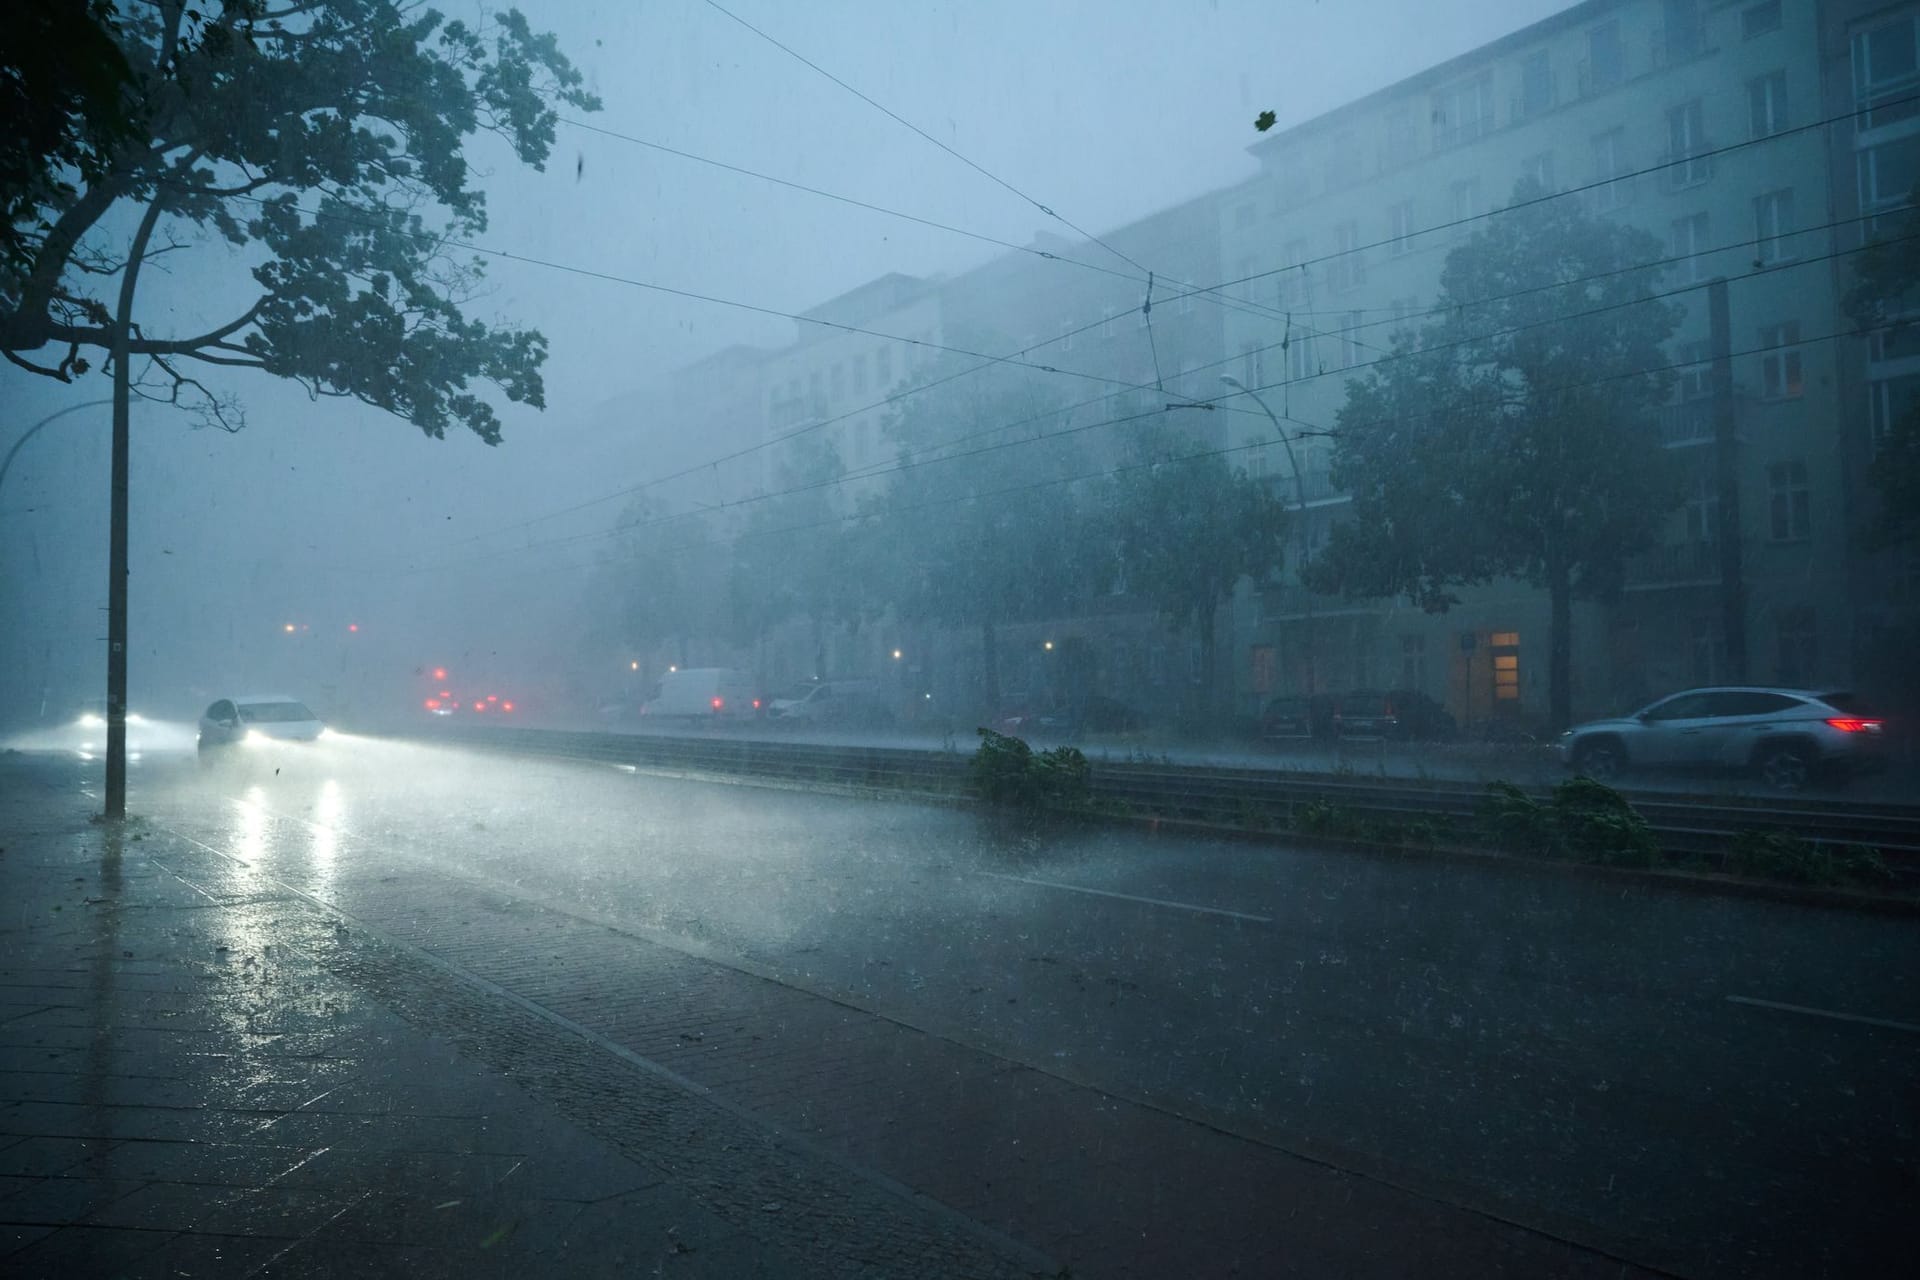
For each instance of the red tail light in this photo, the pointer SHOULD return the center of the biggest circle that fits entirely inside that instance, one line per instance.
(479, 706)
(433, 704)
(493, 697)
(756, 704)
(719, 703)
(1848, 724)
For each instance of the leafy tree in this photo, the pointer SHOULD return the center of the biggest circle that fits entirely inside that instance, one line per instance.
(791, 558)
(1884, 296)
(663, 583)
(323, 137)
(326, 138)
(1187, 527)
(983, 527)
(1517, 434)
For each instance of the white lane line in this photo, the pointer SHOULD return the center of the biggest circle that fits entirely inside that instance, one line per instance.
(1825, 1013)
(1128, 897)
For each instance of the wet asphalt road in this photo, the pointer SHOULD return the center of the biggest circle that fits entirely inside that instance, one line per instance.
(1610, 1064)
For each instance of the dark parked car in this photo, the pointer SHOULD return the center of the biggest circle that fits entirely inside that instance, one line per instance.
(1402, 715)
(1297, 717)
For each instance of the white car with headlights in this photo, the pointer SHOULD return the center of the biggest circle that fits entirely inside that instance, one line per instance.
(257, 721)
(92, 728)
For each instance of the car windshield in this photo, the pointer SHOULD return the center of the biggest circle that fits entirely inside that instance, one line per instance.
(273, 712)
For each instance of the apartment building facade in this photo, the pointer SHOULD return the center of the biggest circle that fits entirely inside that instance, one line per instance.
(1682, 117)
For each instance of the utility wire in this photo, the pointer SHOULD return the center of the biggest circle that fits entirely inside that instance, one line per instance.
(900, 120)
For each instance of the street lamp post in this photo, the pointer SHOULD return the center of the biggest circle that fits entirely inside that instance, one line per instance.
(31, 431)
(1300, 494)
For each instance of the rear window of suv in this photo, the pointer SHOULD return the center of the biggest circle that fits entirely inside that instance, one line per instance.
(1843, 702)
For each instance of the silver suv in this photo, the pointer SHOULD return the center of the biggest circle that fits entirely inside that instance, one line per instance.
(1786, 736)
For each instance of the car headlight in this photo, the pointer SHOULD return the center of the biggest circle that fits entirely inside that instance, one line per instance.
(255, 738)
(91, 721)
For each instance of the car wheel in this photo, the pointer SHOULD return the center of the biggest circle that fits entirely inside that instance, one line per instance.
(1601, 761)
(1785, 766)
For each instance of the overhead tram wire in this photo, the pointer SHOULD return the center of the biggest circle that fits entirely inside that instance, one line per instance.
(909, 463)
(988, 360)
(915, 508)
(1207, 291)
(1601, 380)
(901, 120)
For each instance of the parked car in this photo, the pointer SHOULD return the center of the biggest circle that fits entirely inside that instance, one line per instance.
(838, 702)
(1096, 713)
(702, 693)
(258, 720)
(1286, 718)
(1787, 737)
(1404, 715)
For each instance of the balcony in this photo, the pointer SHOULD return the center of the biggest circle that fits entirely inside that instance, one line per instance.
(1688, 423)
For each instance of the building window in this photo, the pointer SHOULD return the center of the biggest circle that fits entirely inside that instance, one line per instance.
(1252, 372)
(859, 373)
(1463, 112)
(1400, 228)
(1780, 376)
(1767, 104)
(1690, 246)
(1538, 169)
(1298, 347)
(1758, 19)
(1796, 651)
(1686, 139)
(1772, 225)
(1413, 662)
(1889, 399)
(1610, 169)
(1463, 206)
(1689, 419)
(883, 368)
(1349, 265)
(1350, 344)
(838, 380)
(1106, 313)
(1536, 83)
(1404, 312)
(1701, 507)
(1887, 175)
(1886, 69)
(1788, 505)
(1295, 282)
(1606, 63)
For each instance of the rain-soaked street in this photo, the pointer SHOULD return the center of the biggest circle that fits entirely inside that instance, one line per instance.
(1100, 1043)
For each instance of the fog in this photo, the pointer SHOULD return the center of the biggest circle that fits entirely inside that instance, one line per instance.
(330, 513)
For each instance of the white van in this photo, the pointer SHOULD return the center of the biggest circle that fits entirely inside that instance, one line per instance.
(702, 693)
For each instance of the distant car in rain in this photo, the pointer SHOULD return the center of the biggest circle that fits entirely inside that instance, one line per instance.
(702, 693)
(1297, 717)
(836, 702)
(258, 720)
(1787, 737)
(1399, 715)
(91, 728)
(1095, 713)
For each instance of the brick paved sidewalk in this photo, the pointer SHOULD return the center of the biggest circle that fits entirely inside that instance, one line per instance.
(186, 1090)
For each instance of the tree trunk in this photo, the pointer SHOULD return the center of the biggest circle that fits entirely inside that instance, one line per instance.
(990, 668)
(116, 788)
(1560, 647)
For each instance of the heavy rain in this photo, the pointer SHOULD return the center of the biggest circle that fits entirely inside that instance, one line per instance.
(1103, 638)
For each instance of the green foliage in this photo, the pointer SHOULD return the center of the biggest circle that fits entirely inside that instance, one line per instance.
(1781, 855)
(1006, 771)
(1186, 528)
(1517, 433)
(327, 141)
(1583, 820)
(791, 558)
(1264, 121)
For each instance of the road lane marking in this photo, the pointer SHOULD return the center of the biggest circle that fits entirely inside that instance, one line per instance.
(1825, 1013)
(1129, 897)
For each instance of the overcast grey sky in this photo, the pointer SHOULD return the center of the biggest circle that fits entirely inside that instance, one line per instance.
(1103, 110)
